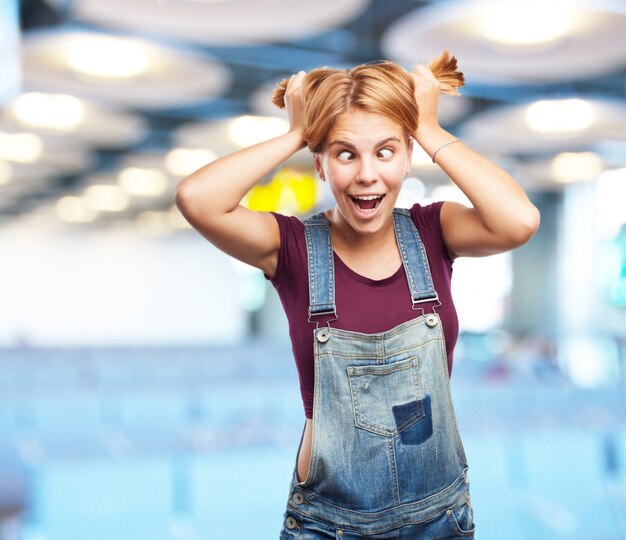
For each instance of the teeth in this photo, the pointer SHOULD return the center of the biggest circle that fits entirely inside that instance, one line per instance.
(368, 197)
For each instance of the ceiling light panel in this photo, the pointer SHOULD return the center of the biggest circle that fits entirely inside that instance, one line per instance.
(576, 166)
(226, 22)
(218, 137)
(168, 78)
(545, 126)
(525, 23)
(560, 116)
(108, 56)
(46, 113)
(493, 44)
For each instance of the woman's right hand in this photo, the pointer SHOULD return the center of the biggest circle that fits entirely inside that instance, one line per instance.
(427, 91)
(214, 207)
(293, 102)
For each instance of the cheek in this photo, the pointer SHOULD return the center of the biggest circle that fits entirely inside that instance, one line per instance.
(337, 188)
(396, 172)
(339, 177)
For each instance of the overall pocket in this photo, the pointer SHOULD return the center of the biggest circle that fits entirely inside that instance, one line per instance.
(461, 518)
(386, 399)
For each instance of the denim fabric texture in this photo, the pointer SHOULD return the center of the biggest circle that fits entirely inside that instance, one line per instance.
(387, 460)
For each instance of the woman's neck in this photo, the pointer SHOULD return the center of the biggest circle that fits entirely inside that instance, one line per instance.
(354, 241)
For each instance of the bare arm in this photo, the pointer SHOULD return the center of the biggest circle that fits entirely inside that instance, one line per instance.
(502, 216)
(210, 197)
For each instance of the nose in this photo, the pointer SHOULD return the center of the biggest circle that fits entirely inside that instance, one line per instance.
(367, 173)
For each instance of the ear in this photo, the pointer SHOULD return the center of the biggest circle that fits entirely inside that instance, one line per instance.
(409, 156)
(317, 161)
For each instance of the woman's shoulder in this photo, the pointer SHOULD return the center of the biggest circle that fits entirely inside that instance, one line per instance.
(286, 220)
(294, 223)
(292, 251)
(427, 220)
(291, 227)
(427, 215)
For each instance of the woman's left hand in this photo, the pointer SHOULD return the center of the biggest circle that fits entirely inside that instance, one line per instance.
(426, 96)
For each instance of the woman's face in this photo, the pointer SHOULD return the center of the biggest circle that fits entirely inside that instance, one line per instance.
(365, 158)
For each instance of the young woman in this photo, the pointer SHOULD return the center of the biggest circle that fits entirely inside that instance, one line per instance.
(366, 290)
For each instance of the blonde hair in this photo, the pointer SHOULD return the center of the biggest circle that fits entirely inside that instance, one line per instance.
(385, 88)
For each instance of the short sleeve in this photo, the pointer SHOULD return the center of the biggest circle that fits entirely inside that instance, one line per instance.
(428, 221)
(289, 227)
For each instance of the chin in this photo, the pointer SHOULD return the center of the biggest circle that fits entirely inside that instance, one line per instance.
(370, 225)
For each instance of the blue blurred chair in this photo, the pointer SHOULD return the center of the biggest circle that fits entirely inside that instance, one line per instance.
(240, 493)
(564, 490)
(491, 476)
(101, 499)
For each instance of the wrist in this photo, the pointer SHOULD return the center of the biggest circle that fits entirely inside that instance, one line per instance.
(297, 134)
(431, 134)
(432, 139)
(434, 154)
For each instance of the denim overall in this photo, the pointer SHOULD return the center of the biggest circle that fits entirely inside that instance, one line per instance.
(386, 459)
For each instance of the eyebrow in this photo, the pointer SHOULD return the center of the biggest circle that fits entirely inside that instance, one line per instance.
(350, 145)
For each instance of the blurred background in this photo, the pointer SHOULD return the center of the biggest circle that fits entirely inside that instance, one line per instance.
(147, 384)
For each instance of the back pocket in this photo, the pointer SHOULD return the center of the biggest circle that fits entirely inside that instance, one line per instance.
(386, 399)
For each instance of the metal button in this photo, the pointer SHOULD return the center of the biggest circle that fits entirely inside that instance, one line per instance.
(448, 511)
(323, 336)
(298, 498)
(340, 532)
(431, 320)
(291, 523)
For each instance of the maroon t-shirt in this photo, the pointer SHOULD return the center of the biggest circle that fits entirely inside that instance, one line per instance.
(363, 304)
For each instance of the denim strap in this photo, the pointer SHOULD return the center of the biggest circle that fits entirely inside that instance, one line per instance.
(322, 271)
(413, 257)
(319, 250)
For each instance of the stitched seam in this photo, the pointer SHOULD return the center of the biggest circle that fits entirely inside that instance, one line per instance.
(374, 356)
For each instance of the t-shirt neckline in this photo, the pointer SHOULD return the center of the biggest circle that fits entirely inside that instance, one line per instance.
(364, 279)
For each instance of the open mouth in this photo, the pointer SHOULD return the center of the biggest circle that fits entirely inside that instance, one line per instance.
(368, 202)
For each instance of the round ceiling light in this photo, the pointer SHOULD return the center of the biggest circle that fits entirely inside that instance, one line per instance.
(149, 182)
(575, 166)
(235, 22)
(21, 147)
(107, 56)
(499, 41)
(248, 130)
(560, 116)
(525, 23)
(58, 111)
(119, 71)
(545, 126)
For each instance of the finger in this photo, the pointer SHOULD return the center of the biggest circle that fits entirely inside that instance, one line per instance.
(423, 70)
(296, 79)
(418, 74)
(426, 72)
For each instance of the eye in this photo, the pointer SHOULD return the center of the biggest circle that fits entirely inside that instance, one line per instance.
(344, 155)
(386, 152)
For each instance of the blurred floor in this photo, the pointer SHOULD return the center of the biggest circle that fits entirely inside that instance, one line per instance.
(178, 444)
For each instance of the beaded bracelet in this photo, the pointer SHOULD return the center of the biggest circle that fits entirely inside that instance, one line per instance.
(443, 146)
